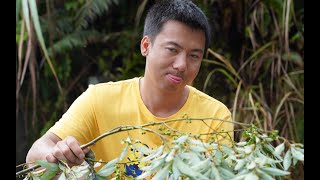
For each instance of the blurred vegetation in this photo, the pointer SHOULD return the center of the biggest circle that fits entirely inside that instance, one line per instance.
(255, 64)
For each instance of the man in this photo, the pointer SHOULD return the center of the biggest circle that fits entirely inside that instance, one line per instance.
(175, 38)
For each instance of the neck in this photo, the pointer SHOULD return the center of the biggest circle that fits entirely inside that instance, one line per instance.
(162, 103)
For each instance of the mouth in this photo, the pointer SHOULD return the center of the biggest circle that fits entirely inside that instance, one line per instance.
(175, 79)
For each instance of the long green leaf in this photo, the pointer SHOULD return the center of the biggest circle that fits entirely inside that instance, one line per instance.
(297, 154)
(109, 168)
(223, 72)
(254, 55)
(51, 169)
(227, 63)
(287, 160)
(275, 171)
(25, 11)
(36, 23)
(280, 105)
(47, 164)
(162, 173)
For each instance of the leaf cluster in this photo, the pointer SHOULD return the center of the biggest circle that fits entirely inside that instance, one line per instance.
(189, 157)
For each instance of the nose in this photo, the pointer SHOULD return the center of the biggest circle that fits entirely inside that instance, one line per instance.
(180, 63)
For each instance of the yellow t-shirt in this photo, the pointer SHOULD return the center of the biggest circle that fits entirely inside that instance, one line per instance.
(105, 106)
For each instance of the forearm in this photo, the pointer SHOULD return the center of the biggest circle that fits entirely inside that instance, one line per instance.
(42, 147)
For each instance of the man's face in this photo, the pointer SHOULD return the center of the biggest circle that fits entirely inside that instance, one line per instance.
(174, 58)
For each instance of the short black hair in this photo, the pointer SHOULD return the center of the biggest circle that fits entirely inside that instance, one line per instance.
(184, 11)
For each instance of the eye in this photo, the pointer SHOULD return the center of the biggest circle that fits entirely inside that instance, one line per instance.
(172, 50)
(195, 56)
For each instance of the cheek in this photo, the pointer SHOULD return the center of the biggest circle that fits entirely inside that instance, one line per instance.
(160, 60)
(155, 62)
(194, 68)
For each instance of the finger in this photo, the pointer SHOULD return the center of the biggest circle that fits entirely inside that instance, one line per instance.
(51, 158)
(67, 153)
(74, 145)
(57, 153)
(86, 150)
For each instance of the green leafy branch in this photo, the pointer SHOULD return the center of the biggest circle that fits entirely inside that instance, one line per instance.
(188, 157)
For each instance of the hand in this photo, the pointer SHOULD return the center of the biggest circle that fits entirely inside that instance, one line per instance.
(69, 150)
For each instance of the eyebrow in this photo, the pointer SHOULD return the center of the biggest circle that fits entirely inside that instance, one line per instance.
(179, 46)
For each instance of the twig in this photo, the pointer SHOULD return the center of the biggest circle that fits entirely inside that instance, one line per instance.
(113, 131)
(129, 128)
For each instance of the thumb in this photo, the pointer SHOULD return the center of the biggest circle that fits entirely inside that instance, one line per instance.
(86, 150)
(90, 154)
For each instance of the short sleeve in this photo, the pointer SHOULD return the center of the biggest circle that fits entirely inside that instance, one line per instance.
(79, 120)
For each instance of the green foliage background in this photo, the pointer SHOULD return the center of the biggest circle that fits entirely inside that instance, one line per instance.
(255, 64)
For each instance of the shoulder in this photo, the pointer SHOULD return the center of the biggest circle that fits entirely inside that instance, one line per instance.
(204, 100)
(112, 86)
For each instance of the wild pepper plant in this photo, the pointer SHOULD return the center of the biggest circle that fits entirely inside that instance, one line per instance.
(258, 155)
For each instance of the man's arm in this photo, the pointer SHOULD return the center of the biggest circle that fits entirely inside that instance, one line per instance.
(52, 148)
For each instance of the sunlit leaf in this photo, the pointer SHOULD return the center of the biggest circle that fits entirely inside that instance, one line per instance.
(287, 160)
(81, 170)
(48, 165)
(162, 173)
(155, 166)
(297, 154)
(198, 149)
(251, 165)
(243, 143)
(240, 164)
(279, 149)
(124, 152)
(170, 155)
(154, 154)
(264, 175)
(35, 177)
(181, 139)
(251, 176)
(184, 169)
(175, 170)
(275, 171)
(215, 173)
(239, 177)
(142, 149)
(201, 166)
(99, 177)
(62, 176)
(106, 171)
(226, 173)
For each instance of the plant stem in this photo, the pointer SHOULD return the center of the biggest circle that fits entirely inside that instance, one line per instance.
(129, 128)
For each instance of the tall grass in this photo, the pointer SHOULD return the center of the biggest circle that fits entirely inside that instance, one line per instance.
(264, 85)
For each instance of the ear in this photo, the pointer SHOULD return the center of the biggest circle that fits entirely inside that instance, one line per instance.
(144, 45)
